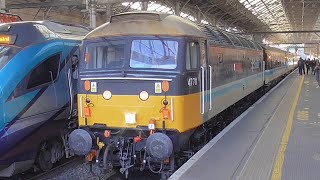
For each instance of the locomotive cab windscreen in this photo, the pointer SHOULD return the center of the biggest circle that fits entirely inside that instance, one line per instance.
(132, 54)
(8, 50)
(7, 46)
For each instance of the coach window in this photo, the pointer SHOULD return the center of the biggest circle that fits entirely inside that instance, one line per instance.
(192, 56)
(44, 73)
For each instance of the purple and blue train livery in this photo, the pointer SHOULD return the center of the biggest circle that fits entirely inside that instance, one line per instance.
(37, 90)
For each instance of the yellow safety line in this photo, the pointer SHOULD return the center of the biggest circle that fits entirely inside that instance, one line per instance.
(277, 170)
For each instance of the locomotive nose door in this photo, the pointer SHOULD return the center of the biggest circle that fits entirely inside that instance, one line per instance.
(205, 82)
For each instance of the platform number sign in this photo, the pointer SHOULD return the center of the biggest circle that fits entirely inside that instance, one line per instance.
(157, 88)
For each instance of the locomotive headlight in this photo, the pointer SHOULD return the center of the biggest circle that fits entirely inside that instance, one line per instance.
(130, 118)
(107, 95)
(144, 95)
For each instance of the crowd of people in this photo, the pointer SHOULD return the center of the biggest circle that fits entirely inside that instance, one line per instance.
(313, 65)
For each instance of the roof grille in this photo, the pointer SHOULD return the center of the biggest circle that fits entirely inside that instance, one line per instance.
(135, 17)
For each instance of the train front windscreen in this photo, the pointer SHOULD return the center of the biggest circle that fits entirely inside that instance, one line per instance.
(136, 53)
(7, 49)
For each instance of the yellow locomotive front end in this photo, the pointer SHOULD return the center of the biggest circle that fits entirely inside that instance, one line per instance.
(138, 111)
(141, 91)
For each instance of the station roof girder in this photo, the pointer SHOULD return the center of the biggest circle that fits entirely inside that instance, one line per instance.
(242, 15)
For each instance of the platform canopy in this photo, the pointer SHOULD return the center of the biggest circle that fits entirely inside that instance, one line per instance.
(295, 21)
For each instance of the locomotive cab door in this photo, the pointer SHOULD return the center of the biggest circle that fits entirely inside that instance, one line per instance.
(205, 80)
(197, 76)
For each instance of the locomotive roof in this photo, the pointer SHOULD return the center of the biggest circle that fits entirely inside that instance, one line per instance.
(147, 24)
(155, 23)
(220, 37)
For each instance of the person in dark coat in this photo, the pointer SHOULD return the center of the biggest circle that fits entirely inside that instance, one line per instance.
(301, 66)
(308, 64)
(313, 65)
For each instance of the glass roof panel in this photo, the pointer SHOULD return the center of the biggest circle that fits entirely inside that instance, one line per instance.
(269, 12)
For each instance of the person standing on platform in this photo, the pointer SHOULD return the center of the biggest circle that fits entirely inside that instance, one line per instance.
(317, 73)
(301, 66)
(313, 65)
(308, 64)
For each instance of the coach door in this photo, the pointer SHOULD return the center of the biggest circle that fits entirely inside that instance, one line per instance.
(72, 63)
(206, 81)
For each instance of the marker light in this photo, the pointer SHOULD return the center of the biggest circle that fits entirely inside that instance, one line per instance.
(87, 85)
(165, 86)
(107, 95)
(144, 95)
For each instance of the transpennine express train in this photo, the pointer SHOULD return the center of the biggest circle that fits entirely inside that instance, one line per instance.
(37, 91)
(149, 82)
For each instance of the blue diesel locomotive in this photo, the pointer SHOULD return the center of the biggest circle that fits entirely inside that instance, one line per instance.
(37, 90)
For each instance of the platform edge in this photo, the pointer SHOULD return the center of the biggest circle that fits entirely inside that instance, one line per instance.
(177, 175)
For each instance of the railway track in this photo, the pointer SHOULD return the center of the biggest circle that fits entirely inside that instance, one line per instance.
(58, 169)
(31, 175)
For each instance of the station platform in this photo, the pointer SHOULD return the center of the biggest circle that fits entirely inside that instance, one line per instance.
(276, 138)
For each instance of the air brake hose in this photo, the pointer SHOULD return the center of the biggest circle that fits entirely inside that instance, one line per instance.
(105, 155)
(155, 172)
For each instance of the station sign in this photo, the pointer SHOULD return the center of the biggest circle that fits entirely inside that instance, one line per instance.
(7, 18)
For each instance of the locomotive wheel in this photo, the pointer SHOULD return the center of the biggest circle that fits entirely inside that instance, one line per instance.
(44, 158)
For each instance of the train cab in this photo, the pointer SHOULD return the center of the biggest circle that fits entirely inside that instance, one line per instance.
(136, 76)
(131, 65)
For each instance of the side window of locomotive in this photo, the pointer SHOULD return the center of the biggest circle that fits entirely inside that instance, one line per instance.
(192, 56)
(44, 73)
